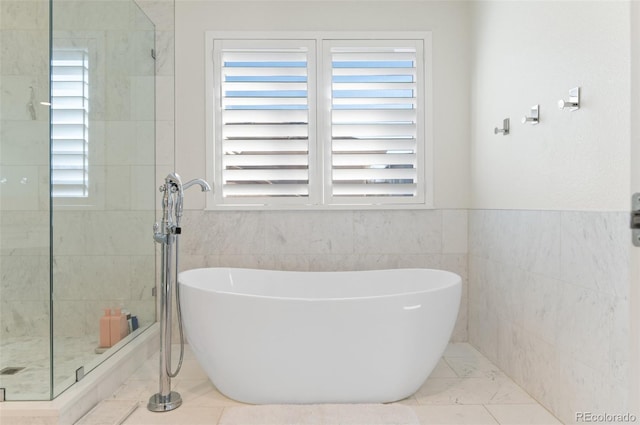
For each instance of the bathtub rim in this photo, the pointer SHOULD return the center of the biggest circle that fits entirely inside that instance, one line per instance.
(454, 280)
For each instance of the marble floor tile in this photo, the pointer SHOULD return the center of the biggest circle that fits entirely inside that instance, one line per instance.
(326, 414)
(471, 391)
(138, 390)
(409, 401)
(443, 370)
(185, 415)
(273, 415)
(372, 414)
(33, 353)
(465, 388)
(461, 349)
(522, 414)
(109, 412)
(201, 392)
(454, 415)
(473, 367)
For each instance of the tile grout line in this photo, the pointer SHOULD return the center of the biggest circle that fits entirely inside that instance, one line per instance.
(219, 422)
(484, 406)
(451, 367)
(128, 414)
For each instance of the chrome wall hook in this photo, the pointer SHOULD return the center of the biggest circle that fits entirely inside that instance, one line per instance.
(574, 100)
(534, 117)
(505, 128)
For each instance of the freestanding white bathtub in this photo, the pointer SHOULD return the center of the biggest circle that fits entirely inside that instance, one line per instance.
(318, 337)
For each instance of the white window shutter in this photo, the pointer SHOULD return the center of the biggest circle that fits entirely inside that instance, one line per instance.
(376, 148)
(265, 121)
(69, 123)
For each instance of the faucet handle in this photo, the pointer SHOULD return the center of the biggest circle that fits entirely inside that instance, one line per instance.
(158, 236)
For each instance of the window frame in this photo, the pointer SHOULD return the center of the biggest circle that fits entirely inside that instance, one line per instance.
(217, 130)
(90, 43)
(58, 63)
(318, 150)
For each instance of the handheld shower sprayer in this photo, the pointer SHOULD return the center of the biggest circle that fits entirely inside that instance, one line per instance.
(166, 233)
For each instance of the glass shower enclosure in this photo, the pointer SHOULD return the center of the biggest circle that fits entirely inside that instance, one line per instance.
(77, 188)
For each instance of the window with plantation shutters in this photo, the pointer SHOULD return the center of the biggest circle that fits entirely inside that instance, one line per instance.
(326, 120)
(69, 123)
(264, 124)
(374, 152)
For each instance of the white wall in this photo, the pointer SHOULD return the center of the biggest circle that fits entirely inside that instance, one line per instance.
(449, 22)
(533, 52)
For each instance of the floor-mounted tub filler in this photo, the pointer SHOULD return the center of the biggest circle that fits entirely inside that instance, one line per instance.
(283, 337)
(167, 233)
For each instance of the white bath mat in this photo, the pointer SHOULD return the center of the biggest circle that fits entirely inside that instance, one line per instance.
(320, 414)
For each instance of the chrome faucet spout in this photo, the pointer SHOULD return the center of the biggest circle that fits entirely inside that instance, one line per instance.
(204, 186)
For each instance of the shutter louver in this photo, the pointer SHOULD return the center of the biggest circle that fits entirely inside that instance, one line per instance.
(265, 122)
(374, 115)
(69, 123)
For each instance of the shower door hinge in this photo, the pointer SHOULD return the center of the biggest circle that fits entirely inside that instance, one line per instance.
(2, 395)
(153, 54)
(79, 373)
(153, 291)
(635, 219)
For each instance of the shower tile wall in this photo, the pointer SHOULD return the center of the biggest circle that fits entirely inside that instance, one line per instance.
(161, 12)
(548, 303)
(79, 240)
(103, 257)
(24, 163)
(330, 240)
(126, 251)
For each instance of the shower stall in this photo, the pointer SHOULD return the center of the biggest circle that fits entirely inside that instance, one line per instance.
(77, 187)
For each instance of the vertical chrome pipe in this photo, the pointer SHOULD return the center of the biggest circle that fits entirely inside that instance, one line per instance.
(165, 321)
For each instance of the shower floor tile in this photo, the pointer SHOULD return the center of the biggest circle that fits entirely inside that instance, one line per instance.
(32, 353)
(465, 388)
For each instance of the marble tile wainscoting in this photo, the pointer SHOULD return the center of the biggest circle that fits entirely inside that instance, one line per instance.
(549, 304)
(329, 240)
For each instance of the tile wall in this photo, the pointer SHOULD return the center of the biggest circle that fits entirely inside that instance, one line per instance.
(161, 13)
(549, 304)
(329, 240)
(123, 168)
(24, 164)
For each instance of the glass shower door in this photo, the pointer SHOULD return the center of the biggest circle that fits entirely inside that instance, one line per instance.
(25, 363)
(102, 180)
